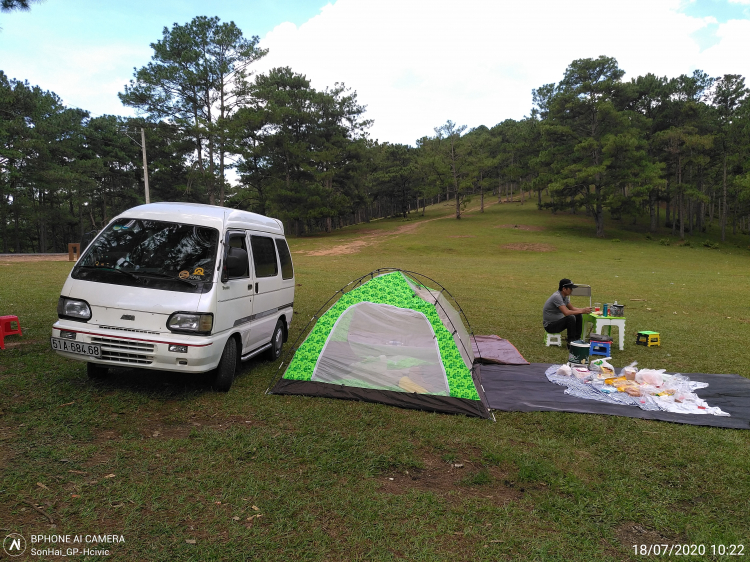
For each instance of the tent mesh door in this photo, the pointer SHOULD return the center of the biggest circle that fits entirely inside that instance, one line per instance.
(384, 347)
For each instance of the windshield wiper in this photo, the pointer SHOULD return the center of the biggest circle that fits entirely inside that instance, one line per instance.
(133, 275)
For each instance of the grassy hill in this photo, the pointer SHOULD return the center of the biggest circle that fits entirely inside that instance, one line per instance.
(183, 473)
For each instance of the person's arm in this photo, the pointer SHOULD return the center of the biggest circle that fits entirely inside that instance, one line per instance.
(569, 309)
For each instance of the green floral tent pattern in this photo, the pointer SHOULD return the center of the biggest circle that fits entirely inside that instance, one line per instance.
(391, 289)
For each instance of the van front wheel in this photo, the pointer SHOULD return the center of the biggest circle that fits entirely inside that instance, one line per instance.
(224, 373)
(277, 340)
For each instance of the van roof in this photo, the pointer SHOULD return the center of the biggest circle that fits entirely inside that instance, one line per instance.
(204, 215)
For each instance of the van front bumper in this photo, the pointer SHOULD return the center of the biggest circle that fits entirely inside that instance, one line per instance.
(145, 350)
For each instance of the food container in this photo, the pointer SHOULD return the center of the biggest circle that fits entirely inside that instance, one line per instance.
(579, 352)
(617, 310)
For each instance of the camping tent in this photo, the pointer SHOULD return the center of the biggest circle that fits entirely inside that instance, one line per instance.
(390, 339)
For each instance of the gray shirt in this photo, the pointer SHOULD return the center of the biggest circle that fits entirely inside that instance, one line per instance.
(551, 310)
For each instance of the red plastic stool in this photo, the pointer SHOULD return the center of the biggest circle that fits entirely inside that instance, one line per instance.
(6, 330)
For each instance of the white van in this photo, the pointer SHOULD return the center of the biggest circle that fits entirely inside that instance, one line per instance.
(178, 287)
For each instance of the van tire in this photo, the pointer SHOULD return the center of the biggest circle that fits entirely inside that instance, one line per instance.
(277, 341)
(224, 372)
(96, 371)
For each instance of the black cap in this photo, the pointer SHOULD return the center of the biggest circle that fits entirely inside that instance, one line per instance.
(566, 283)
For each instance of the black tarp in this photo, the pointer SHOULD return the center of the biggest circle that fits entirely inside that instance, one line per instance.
(525, 388)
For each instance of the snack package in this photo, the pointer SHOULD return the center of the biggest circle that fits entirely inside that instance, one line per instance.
(604, 367)
(633, 391)
(630, 371)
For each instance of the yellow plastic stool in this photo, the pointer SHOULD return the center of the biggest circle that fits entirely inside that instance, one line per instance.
(649, 339)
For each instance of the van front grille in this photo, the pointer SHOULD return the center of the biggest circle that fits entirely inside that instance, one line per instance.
(128, 329)
(125, 351)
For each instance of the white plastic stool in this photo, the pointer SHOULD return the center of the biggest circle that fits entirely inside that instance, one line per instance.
(553, 339)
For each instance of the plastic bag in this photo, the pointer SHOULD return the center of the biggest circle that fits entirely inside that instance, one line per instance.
(650, 376)
(564, 370)
(630, 371)
(605, 368)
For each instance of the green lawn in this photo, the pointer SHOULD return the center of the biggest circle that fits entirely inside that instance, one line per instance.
(183, 473)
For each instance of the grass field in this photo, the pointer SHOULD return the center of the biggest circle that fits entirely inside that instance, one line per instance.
(183, 473)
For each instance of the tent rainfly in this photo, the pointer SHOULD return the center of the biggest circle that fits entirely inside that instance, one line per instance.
(391, 340)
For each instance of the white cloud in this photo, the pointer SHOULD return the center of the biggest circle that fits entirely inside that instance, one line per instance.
(82, 75)
(417, 63)
(414, 63)
(726, 57)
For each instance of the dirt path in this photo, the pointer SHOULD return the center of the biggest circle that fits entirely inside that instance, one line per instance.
(7, 259)
(372, 237)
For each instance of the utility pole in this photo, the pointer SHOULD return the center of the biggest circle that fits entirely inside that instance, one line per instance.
(142, 144)
(145, 164)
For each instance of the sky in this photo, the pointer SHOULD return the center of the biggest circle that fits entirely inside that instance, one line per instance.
(414, 63)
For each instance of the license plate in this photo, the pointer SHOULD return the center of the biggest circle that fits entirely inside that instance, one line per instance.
(89, 349)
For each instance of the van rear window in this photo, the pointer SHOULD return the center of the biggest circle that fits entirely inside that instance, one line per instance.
(287, 270)
(264, 256)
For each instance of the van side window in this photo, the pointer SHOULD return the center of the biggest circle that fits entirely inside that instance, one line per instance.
(237, 240)
(287, 270)
(264, 256)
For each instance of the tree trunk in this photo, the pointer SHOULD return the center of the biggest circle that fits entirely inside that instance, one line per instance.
(17, 231)
(211, 172)
(652, 211)
(222, 112)
(724, 202)
(682, 215)
(658, 212)
(4, 210)
(680, 198)
(42, 225)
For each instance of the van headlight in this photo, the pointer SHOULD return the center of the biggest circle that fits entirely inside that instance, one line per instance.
(73, 309)
(191, 322)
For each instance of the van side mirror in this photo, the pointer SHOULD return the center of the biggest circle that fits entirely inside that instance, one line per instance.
(235, 264)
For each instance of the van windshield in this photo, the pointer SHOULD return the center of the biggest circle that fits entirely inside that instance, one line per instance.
(152, 254)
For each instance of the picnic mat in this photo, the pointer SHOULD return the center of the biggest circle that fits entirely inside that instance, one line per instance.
(525, 388)
(494, 349)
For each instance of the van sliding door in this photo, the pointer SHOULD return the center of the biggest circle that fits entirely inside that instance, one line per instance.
(268, 295)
